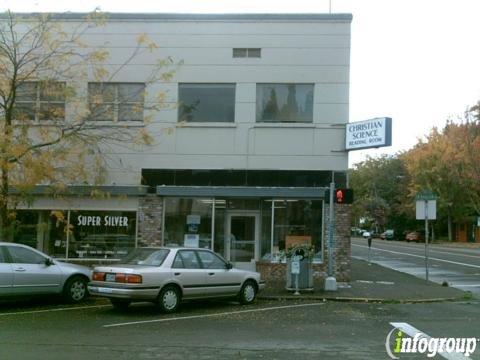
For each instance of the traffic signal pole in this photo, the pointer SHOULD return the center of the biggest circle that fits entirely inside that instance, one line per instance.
(330, 281)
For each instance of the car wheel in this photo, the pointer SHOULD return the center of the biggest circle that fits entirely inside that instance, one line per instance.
(248, 293)
(75, 289)
(169, 299)
(120, 304)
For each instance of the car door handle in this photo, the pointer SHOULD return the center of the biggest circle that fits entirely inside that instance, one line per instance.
(176, 274)
(20, 269)
(211, 274)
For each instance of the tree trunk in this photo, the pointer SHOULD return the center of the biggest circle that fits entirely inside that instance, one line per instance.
(4, 219)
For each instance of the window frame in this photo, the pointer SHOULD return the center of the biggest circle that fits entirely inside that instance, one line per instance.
(260, 120)
(116, 103)
(181, 116)
(38, 100)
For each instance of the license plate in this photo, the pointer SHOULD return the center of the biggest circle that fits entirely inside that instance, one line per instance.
(110, 277)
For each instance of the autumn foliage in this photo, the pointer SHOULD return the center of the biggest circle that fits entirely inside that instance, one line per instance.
(446, 162)
(50, 133)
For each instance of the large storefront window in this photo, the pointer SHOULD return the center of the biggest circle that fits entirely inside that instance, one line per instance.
(101, 234)
(188, 222)
(25, 228)
(91, 234)
(294, 222)
(251, 228)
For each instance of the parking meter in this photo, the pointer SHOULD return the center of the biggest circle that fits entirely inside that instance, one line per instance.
(298, 255)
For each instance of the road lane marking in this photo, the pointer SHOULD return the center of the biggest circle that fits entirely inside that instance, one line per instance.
(53, 310)
(212, 315)
(411, 331)
(375, 282)
(431, 249)
(420, 256)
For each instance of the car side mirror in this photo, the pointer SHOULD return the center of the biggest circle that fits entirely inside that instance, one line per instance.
(228, 266)
(49, 262)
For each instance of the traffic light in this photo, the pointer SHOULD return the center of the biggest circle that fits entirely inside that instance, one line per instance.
(343, 196)
(340, 196)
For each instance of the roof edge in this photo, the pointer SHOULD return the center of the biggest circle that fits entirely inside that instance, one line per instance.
(301, 17)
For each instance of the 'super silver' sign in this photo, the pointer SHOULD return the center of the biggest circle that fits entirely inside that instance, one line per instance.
(369, 134)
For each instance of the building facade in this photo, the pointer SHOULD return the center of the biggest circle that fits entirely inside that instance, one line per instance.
(252, 137)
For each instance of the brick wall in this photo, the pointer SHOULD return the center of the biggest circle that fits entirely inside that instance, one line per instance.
(342, 245)
(150, 221)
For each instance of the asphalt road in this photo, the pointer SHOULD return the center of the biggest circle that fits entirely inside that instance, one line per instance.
(458, 266)
(224, 330)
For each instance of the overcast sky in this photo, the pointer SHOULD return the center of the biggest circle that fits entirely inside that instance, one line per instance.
(417, 61)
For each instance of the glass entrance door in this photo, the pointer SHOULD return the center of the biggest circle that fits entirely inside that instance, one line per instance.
(243, 235)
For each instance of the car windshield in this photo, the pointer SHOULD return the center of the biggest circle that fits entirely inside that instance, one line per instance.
(148, 257)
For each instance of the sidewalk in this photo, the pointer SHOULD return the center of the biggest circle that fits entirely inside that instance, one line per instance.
(375, 283)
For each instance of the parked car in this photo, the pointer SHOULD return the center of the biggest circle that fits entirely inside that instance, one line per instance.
(166, 276)
(388, 235)
(417, 236)
(25, 271)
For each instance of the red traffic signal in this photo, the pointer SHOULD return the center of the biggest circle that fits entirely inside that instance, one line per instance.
(343, 196)
(339, 196)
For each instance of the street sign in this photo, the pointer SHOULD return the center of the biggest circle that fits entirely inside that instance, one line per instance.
(430, 209)
(426, 195)
(426, 209)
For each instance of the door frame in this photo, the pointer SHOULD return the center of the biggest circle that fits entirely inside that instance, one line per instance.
(246, 213)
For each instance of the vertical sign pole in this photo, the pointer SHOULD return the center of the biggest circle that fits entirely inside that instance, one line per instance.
(330, 231)
(426, 240)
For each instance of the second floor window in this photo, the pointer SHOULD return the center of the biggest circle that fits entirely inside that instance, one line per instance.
(40, 101)
(206, 102)
(116, 101)
(285, 103)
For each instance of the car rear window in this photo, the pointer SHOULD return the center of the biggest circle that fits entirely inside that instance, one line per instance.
(147, 257)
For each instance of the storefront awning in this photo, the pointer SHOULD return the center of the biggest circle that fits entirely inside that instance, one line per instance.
(243, 192)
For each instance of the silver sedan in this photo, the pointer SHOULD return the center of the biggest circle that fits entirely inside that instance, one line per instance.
(25, 271)
(166, 276)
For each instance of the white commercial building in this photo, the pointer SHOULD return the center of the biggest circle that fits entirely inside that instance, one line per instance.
(243, 153)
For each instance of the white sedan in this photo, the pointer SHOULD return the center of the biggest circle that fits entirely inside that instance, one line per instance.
(166, 276)
(25, 271)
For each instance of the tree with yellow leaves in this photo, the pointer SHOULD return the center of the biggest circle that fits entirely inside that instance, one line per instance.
(53, 129)
(447, 162)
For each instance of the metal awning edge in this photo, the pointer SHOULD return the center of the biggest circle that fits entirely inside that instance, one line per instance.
(242, 191)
